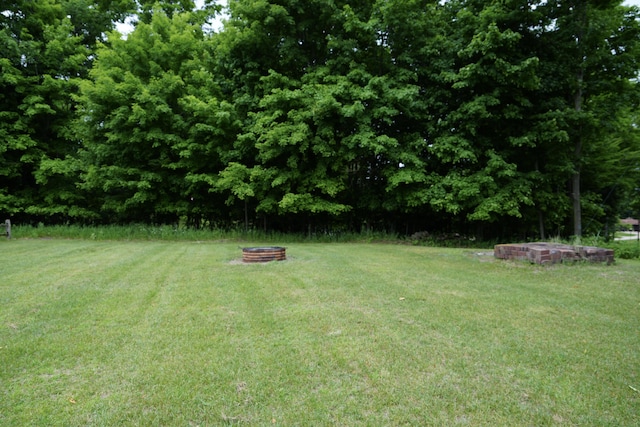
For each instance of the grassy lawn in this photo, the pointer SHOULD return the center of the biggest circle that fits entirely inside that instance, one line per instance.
(179, 333)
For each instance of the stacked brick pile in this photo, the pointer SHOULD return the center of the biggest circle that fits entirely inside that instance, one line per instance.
(551, 253)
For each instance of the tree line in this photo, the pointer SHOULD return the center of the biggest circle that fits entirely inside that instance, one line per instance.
(495, 118)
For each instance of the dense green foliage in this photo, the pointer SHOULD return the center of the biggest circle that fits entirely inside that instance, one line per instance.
(492, 118)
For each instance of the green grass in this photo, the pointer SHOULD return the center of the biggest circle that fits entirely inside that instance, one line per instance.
(106, 333)
(626, 249)
(173, 233)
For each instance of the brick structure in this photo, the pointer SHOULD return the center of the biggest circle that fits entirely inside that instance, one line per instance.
(551, 253)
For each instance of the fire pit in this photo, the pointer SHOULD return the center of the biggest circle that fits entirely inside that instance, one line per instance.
(264, 254)
(551, 253)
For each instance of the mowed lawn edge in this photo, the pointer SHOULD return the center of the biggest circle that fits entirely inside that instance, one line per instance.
(182, 333)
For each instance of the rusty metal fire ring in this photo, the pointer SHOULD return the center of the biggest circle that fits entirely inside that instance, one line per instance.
(264, 254)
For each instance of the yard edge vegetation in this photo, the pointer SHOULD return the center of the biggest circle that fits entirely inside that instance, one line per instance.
(495, 119)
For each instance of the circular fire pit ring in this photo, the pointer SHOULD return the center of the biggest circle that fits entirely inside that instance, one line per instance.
(264, 254)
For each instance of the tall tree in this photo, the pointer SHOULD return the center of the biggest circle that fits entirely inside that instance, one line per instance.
(152, 123)
(44, 50)
(322, 100)
(479, 133)
(590, 54)
(284, 158)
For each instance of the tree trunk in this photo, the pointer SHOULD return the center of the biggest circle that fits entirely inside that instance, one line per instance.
(577, 207)
(246, 216)
(541, 224)
(575, 178)
(581, 12)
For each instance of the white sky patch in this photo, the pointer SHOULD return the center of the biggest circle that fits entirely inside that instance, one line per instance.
(127, 27)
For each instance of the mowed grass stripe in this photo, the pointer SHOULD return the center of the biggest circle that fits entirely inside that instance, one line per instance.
(157, 333)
